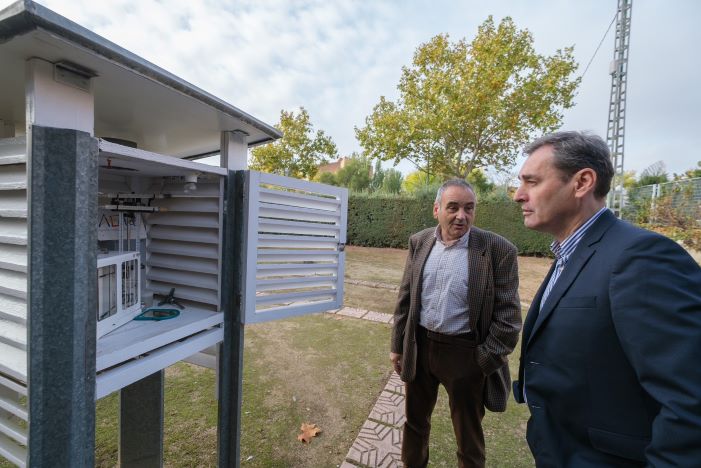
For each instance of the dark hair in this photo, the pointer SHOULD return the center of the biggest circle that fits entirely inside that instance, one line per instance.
(575, 151)
(453, 183)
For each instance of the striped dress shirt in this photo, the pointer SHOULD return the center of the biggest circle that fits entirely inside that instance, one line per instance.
(563, 251)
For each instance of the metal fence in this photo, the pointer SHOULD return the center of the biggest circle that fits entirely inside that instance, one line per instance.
(652, 203)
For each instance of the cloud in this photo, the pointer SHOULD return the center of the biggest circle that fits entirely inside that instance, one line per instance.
(336, 58)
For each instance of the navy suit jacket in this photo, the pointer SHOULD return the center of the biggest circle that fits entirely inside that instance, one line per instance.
(612, 361)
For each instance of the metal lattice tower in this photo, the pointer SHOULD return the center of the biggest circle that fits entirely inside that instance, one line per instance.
(615, 136)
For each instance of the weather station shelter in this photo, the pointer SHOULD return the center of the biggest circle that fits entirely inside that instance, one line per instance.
(121, 254)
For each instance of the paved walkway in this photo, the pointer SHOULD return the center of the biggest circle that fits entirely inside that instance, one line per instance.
(379, 441)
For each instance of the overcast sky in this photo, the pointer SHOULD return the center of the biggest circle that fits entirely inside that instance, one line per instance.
(336, 58)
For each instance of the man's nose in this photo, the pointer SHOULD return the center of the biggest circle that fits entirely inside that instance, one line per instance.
(518, 195)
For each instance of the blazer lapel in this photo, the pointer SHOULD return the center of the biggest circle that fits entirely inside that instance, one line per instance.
(574, 266)
(577, 261)
(477, 269)
(533, 310)
(425, 247)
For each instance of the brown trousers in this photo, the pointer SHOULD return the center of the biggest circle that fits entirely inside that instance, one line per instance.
(450, 361)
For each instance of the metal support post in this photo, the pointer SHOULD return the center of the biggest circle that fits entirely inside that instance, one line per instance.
(231, 350)
(62, 168)
(141, 423)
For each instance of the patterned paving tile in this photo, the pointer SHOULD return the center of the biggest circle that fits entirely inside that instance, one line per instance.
(389, 409)
(378, 317)
(379, 442)
(395, 384)
(377, 445)
(392, 460)
(351, 312)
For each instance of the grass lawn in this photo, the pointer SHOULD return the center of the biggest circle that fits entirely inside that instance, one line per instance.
(376, 265)
(322, 369)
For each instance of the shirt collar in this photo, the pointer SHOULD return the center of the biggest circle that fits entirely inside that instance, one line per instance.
(462, 242)
(564, 249)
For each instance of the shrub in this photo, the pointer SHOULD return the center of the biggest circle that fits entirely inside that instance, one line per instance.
(327, 178)
(388, 221)
(675, 212)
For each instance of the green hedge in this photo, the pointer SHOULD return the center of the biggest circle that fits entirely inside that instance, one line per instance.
(388, 222)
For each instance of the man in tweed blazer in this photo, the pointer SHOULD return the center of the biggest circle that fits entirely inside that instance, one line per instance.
(457, 318)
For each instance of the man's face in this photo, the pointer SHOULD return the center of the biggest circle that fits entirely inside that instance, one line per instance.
(455, 212)
(546, 198)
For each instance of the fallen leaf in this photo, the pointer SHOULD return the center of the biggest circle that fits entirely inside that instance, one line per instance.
(308, 431)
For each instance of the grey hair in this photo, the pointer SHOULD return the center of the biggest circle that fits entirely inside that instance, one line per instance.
(575, 151)
(453, 183)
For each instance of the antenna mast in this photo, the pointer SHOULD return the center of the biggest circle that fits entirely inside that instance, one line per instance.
(615, 136)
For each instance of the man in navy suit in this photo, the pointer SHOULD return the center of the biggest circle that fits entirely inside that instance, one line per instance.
(611, 348)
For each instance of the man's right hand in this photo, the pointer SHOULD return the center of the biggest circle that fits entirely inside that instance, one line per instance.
(396, 362)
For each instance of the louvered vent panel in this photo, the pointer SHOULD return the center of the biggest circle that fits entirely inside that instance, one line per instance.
(184, 238)
(13, 304)
(295, 258)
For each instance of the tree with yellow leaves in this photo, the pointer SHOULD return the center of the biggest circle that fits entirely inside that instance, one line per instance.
(299, 152)
(468, 105)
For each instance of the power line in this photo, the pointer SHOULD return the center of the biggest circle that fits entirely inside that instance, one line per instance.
(599, 46)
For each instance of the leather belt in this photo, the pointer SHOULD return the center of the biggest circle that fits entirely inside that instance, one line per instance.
(462, 338)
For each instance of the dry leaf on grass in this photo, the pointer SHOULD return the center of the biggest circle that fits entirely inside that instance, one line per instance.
(308, 431)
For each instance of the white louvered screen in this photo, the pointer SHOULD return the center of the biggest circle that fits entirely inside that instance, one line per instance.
(294, 256)
(13, 300)
(183, 247)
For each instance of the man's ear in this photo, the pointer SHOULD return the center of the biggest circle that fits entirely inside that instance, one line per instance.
(436, 207)
(585, 182)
